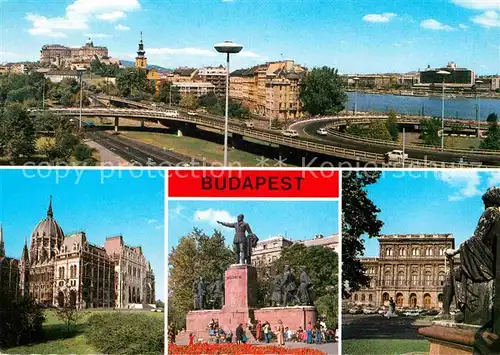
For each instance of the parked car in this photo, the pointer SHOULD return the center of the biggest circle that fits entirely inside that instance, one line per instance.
(355, 310)
(290, 133)
(395, 156)
(369, 310)
(414, 313)
(249, 124)
(322, 131)
(191, 113)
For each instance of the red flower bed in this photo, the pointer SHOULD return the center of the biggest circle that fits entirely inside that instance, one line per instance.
(237, 349)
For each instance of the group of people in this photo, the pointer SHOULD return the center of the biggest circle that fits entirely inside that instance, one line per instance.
(318, 332)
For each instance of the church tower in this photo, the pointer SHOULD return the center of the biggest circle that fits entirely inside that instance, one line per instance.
(2, 246)
(141, 61)
(24, 271)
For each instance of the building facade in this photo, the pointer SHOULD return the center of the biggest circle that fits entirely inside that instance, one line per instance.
(59, 269)
(410, 268)
(331, 241)
(194, 88)
(270, 90)
(9, 272)
(62, 56)
(214, 75)
(458, 77)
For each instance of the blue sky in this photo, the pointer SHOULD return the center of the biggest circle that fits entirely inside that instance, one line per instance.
(298, 220)
(100, 203)
(359, 36)
(430, 202)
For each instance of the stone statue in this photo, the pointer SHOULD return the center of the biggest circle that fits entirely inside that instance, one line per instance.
(471, 282)
(276, 291)
(217, 290)
(200, 292)
(241, 241)
(289, 287)
(305, 289)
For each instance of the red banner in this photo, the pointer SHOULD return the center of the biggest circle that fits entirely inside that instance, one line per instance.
(254, 183)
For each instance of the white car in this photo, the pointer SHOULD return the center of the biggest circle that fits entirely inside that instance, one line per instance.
(395, 155)
(412, 313)
(191, 113)
(249, 124)
(290, 133)
(322, 131)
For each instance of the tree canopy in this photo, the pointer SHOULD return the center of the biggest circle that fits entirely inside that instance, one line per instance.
(392, 125)
(430, 131)
(322, 92)
(359, 217)
(131, 81)
(492, 140)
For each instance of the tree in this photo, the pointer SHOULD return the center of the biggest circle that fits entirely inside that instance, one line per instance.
(66, 311)
(378, 130)
(131, 81)
(328, 305)
(17, 132)
(392, 125)
(188, 101)
(167, 90)
(359, 217)
(430, 131)
(492, 140)
(197, 255)
(322, 92)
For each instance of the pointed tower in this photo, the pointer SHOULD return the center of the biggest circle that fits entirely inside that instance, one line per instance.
(24, 270)
(2, 246)
(141, 61)
(50, 213)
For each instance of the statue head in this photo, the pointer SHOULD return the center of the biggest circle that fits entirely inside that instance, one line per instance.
(491, 197)
(240, 218)
(287, 268)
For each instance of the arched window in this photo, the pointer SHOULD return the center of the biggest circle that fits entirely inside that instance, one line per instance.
(388, 252)
(61, 272)
(414, 279)
(370, 298)
(441, 278)
(363, 297)
(441, 251)
(428, 278)
(355, 297)
(401, 278)
(388, 278)
(385, 297)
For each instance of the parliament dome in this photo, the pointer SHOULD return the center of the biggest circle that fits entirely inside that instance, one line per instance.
(47, 237)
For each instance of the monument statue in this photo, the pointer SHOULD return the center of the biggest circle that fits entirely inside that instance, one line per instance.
(305, 288)
(276, 291)
(217, 291)
(289, 287)
(242, 243)
(471, 282)
(200, 292)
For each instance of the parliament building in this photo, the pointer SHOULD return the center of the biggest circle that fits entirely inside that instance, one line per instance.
(56, 269)
(410, 268)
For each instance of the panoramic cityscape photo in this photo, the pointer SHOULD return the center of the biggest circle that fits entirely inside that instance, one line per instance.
(250, 83)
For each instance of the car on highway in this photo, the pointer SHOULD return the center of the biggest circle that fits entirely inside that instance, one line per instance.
(395, 155)
(290, 133)
(191, 113)
(322, 131)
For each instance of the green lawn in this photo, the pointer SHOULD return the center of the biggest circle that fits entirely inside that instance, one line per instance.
(384, 346)
(197, 148)
(57, 341)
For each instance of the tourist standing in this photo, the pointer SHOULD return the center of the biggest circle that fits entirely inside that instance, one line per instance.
(309, 330)
(267, 332)
(392, 308)
(318, 333)
(191, 339)
(239, 333)
(280, 334)
(258, 331)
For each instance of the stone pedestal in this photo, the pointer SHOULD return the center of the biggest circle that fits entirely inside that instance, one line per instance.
(292, 317)
(447, 338)
(240, 288)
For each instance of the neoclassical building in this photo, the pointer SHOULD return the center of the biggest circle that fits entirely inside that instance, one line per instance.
(410, 268)
(59, 268)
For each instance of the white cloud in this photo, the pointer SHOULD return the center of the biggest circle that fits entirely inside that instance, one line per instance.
(211, 216)
(78, 15)
(183, 51)
(478, 4)
(121, 27)
(488, 19)
(494, 179)
(466, 183)
(463, 27)
(111, 16)
(97, 35)
(379, 18)
(248, 54)
(432, 24)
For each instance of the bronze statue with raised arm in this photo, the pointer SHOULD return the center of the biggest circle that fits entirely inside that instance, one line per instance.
(241, 240)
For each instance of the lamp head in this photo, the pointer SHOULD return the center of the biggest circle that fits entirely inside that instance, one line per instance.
(228, 47)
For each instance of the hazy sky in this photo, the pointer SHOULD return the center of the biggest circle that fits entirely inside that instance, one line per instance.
(355, 36)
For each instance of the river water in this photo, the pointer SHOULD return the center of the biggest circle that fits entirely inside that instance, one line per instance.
(453, 107)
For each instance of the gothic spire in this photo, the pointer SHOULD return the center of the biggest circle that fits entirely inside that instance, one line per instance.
(2, 247)
(50, 214)
(25, 255)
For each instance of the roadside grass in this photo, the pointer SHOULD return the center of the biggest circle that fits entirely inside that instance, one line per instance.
(194, 147)
(384, 346)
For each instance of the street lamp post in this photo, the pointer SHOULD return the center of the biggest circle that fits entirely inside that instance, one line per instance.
(443, 73)
(356, 79)
(80, 74)
(227, 47)
(478, 111)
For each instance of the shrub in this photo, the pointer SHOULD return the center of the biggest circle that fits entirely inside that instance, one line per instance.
(126, 333)
(21, 321)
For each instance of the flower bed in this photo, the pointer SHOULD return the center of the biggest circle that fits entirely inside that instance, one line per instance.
(237, 349)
